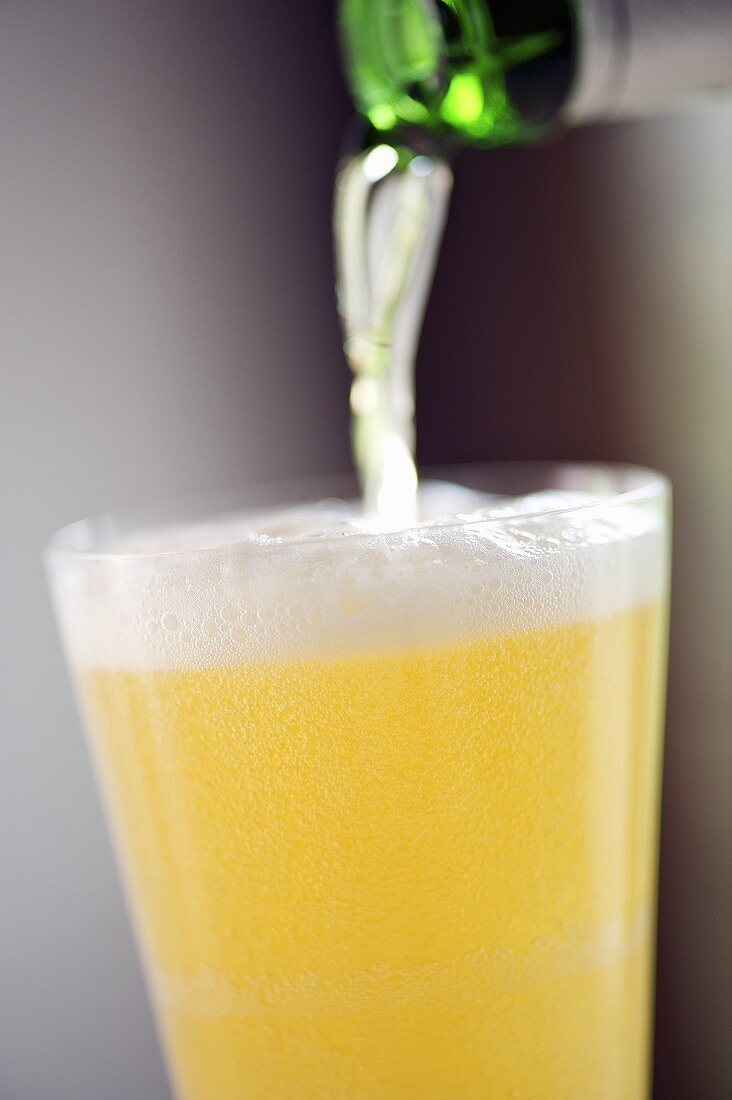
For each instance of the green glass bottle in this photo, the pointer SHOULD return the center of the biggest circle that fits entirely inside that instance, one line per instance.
(488, 74)
(491, 72)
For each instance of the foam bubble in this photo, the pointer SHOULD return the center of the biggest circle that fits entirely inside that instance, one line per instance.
(322, 580)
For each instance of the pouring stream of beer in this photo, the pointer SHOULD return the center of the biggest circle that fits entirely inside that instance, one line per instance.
(390, 211)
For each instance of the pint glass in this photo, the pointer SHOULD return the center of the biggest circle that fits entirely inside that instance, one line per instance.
(386, 801)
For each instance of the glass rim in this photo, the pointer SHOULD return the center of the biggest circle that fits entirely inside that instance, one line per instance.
(643, 484)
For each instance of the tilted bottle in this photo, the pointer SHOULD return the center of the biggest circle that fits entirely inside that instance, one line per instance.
(491, 72)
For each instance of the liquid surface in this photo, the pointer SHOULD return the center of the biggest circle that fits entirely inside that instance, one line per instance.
(326, 579)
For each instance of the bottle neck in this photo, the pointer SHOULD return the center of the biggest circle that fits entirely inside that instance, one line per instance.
(639, 56)
(484, 72)
(492, 72)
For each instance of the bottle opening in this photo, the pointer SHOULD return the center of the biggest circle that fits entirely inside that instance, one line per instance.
(488, 73)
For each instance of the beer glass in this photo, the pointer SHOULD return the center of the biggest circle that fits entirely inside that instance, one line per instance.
(385, 801)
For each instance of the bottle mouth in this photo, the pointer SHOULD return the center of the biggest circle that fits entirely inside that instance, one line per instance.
(481, 72)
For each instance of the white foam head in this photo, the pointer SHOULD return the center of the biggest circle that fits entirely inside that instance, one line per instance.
(321, 581)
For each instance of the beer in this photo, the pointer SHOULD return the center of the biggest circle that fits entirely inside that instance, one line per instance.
(386, 802)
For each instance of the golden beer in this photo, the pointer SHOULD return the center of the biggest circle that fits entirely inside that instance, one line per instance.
(387, 803)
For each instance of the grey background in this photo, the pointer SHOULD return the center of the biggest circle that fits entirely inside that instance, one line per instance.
(167, 326)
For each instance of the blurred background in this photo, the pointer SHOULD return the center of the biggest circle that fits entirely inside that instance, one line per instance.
(168, 326)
